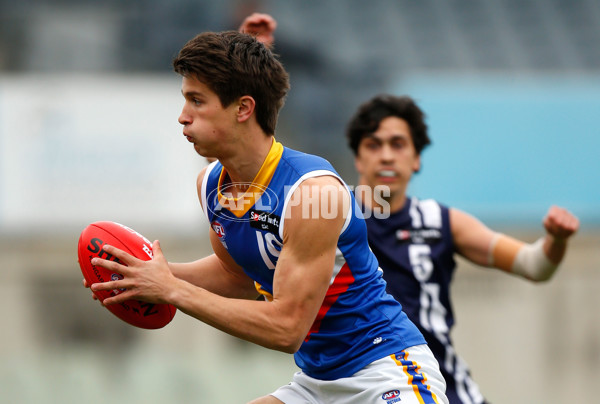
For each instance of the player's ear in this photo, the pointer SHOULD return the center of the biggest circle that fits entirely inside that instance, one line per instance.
(246, 106)
(417, 164)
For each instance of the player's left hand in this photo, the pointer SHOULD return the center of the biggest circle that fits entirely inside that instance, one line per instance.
(262, 26)
(560, 223)
(149, 281)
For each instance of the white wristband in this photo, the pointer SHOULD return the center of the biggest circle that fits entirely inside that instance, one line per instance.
(531, 262)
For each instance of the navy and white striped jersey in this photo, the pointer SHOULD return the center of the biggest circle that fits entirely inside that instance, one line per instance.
(415, 249)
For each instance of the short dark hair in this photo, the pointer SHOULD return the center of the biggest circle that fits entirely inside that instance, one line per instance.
(370, 114)
(233, 64)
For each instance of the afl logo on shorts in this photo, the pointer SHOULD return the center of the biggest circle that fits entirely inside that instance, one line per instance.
(218, 228)
(392, 396)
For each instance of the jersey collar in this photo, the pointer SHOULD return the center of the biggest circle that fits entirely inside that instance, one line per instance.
(239, 206)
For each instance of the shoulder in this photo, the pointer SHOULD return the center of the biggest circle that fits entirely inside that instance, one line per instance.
(427, 212)
(205, 172)
(324, 180)
(318, 204)
(323, 189)
(429, 203)
(303, 162)
(202, 179)
(298, 171)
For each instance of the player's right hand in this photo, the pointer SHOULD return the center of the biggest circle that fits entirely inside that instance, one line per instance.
(260, 25)
(560, 223)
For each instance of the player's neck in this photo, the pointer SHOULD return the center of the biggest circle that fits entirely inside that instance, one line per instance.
(396, 202)
(246, 161)
(384, 203)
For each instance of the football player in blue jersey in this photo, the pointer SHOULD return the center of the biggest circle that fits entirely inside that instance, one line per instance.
(416, 240)
(282, 225)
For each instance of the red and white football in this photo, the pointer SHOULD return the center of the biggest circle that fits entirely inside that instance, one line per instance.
(134, 312)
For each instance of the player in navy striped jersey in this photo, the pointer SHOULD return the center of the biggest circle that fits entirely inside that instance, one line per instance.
(285, 226)
(415, 241)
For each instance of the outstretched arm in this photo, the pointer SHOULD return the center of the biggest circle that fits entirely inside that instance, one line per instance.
(536, 261)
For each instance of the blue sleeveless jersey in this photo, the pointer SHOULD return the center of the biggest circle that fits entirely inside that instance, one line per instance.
(358, 322)
(415, 249)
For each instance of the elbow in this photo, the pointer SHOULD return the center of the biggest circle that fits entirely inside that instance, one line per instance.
(290, 343)
(290, 325)
(290, 348)
(295, 345)
(290, 337)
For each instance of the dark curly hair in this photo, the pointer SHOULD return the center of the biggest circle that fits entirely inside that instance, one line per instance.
(370, 114)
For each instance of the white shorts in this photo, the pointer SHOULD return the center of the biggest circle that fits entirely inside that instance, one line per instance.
(411, 376)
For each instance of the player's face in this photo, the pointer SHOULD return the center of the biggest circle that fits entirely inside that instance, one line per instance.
(388, 156)
(205, 122)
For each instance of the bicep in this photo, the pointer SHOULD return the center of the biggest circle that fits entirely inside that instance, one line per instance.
(305, 265)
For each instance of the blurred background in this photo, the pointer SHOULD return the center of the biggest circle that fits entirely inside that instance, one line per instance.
(88, 131)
